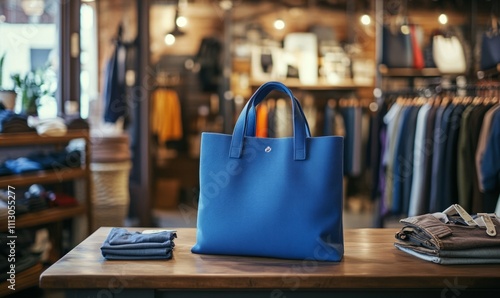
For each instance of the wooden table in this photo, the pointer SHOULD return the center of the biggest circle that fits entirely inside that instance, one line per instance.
(371, 266)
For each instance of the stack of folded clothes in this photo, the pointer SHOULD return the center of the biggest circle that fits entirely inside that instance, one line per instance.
(11, 122)
(124, 245)
(452, 237)
(55, 127)
(41, 161)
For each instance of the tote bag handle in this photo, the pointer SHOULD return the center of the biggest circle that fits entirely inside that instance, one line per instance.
(300, 128)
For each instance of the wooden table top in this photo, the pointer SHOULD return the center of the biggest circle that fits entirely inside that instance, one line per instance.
(370, 262)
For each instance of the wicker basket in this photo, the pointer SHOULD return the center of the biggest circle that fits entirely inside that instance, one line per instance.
(110, 194)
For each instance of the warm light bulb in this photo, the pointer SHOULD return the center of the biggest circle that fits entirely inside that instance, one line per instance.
(405, 29)
(443, 19)
(169, 39)
(181, 21)
(279, 24)
(365, 20)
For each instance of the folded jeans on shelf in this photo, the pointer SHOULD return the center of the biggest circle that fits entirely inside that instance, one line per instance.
(146, 257)
(124, 245)
(479, 253)
(447, 260)
(145, 252)
(22, 165)
(451, 237)
(123, 236)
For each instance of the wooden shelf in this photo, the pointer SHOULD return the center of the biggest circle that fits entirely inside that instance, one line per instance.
(24, 280)
(23, 139)
(322, 85)
(494, 71)
(40, 177)
(52, 214)
(411, 72)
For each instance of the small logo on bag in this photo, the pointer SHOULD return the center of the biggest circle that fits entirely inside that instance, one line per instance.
(268, 149)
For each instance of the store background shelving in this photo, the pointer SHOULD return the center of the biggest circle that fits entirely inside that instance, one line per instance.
(53, 217)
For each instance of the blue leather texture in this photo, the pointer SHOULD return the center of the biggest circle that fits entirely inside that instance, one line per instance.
(271, 197)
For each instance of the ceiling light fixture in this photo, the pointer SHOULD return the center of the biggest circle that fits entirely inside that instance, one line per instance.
(365, 20)
(181, 21)
(279, 24)
(443, 19)
(176, 32)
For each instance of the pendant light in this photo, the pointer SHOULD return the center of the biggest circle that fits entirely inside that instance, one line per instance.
(176, 32)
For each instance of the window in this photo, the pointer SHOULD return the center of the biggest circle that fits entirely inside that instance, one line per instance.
(88, 59)
(30, 44)
(41, 44)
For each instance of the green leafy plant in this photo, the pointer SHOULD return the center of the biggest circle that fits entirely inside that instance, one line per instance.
(31, 87)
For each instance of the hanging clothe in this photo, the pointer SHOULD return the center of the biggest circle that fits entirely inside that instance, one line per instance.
(334, 124)
(262, 121)
(417, 199)
(475, 128)
(271, 118)
(429, 155)
(392, 120)
(209, 60)
(434, 155)
(282, 119)
(166, 119)
(401, 170)
(464, 170)
(311, 113)
(115, 99)
(483, 141)
(437, 159)
(490, 165)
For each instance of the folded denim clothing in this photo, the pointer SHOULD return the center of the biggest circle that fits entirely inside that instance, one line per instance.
(123, 236)
(481, 252)
(168, 256)
(57, 160)
(22, 165)
(125, 245)
(143, 245)
(447, 260)
(151, 253)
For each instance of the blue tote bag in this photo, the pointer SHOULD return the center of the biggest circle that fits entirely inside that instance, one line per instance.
(271, 197)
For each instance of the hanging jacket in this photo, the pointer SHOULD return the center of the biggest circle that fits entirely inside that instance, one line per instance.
(166, 118)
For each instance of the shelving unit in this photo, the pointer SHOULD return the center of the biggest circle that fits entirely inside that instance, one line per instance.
(41, 177)
(53, 216)
(322, 84)
(495, 71)
(24, 280)
(49, 176)
(411, 72)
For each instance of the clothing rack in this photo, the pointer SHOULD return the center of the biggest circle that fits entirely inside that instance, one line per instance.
(413, 134)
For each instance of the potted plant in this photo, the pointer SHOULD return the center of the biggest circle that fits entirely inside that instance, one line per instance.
(7, 97)
(28, 87)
